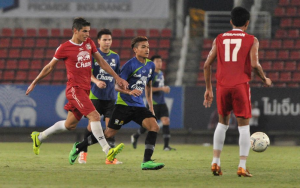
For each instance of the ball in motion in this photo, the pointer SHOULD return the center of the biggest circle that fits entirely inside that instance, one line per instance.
(259, 141)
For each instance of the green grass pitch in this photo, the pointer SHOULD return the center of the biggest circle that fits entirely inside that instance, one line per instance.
(189, 166)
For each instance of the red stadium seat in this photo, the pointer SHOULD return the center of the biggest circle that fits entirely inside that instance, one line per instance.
(53, 43)
(6, 32)
(59, 66)
(12, 64)
(125, 54)
(21, 75)
(117, 33)
(4, 42)
(283, 54)
(291, 11)
(14, 53)
(278, 65)
(29, 42)
(17, 42)
(9, 75)
(164, 43)
(273, 76)
(296, 76)
(32, 74)
(290, 65)
(284, 2)
(286, 22)
(2, 64)
(116, 43)
(264, 44)
(43, 32)
(295, 55)
(154, 33)
(129, 33)
(164, 54)
(293, 33)
(295, 2)
(93, 33)
(281, 33)
(30, 32)
(270, 54)
(55, 32)
(288, 44)
(36, 64)
(275, 44)
(50, 53)
(67, 32)
(296, 23)
(297, 44)
(26, 53)
(59, 75)
(266, 65)
(153, 43)
(18, 32)
(204, 54)
(166, 33)
(38, 53)
(126, 43)
(41, 42)
(3, 53)
(261, 54)
(141, 32)
(285, 76)
(293, 85)
(200, 77)
(279, 11)
(23, 64)
(207, 43)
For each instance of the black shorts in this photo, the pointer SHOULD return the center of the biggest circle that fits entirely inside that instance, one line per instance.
(124, 114)
(104, 107)
(160, 110)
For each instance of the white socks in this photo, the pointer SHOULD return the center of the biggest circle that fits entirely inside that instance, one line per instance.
(98, 133)
(244, 142)
(219, 136)
(216, 160)
(56, 128)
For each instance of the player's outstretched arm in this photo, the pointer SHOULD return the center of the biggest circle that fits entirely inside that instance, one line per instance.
(45, 71)
(257, 69)
(165, 89)
(134, 92)
(104, 65)
(208, 95)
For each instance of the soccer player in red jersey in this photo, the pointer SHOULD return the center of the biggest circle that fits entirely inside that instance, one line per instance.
(77, 54)
(237, 52)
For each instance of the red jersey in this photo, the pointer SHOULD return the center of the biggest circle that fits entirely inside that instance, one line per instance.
(78, 61)
(233, 51)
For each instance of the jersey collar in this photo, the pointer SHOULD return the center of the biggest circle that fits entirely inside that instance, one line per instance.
(75, 43)
(237, 30)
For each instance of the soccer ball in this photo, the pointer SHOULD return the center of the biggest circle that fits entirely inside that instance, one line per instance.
(259, 141)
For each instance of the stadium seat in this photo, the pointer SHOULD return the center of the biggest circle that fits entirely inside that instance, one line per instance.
(285, 76)
(278, 84)
(294, 2)
(117, 33)
(43, 32)
(12, 64)
(284, 2)
(126, 43)
(32, 74)
(14, 53)
(154, 33)
(93, 33)
(273, 76)
(125, 54)
(53, 43)
(293, 33)
(290, 65)
(17, 42)
(23, 64)
(266, 65)
(278, 65)
(204, 54)
(270, 54)
(38, 53)
(41, 42)
(283, 54)
(288, 44)
(164, 43)
(59, 75)
(116, 43)
(286, 22)
(275, 44)
(29, 42)
(9, 75)
(263, 44)
(201, 65)
(166, 33)
(4, 42)
(18, 32)
(297, 44)
(281, 33)
(207, 43)
(3, 53)
(26, 53)
(122, 62)
(55, 32)
(36, 64)
(50, 52)
(67, 32)
(30, 32)
(129, 33)
(296, 23)
(295, 55)
(291, 11)
(21, 75)
(6, 32)
(200, 77)
(293, 85)
(59, 66)
(153, 43)
(279, 12)
(2, 64)
(141, 32)
(296, 76)
(164, 54)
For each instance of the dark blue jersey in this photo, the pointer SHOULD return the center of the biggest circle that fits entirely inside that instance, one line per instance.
(137, 74)
(108, 93)
(158, 81)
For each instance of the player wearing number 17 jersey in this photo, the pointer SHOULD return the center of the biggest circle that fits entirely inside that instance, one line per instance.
(237, 53)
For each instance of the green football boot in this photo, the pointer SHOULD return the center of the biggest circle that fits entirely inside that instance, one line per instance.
(73, 155)
(111, 155)
(151, 165)
(36, 142)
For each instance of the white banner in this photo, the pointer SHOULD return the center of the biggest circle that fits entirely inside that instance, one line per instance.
(85, 8)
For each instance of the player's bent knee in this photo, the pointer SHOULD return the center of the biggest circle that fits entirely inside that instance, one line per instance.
(94, 116)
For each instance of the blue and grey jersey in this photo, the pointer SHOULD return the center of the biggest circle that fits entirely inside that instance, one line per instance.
(137, 74)
(108, 93)
(158, 81)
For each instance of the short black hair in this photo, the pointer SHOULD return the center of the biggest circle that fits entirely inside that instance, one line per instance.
(103, 32)
(79, 23)
(136, 40)
(239, 16)
(155, 57)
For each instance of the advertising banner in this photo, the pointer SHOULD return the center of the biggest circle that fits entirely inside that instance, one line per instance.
(45, 106)
(87, 8)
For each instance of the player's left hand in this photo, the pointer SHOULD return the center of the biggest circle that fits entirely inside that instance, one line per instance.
(166, 89)
(100, 84)
(122, 83)
(208, 98)
(30, 88)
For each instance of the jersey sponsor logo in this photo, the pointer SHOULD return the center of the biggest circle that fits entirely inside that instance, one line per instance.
(84, 60)
(113, 63)
(140, 84)
(150, 73)
(81, 49)
(137, 75)
(234, 34)
(116, 121)
(102, 76)
(88, 46)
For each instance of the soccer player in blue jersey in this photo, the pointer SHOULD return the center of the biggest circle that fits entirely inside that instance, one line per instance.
(102, 94)
(160, 108)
